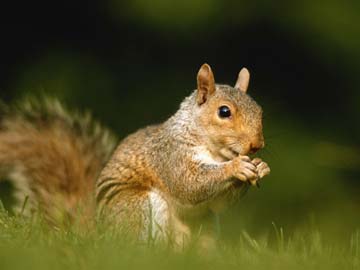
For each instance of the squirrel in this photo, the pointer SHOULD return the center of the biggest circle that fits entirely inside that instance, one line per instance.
(158, 182)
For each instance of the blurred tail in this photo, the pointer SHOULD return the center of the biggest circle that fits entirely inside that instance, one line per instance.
(52, 157)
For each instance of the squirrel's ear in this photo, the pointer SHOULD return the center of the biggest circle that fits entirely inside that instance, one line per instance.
(205, 84)
(242, 82)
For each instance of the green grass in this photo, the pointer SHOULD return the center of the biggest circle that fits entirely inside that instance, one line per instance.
(27, 243)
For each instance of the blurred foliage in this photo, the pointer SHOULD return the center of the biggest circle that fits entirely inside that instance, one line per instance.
(132, 62)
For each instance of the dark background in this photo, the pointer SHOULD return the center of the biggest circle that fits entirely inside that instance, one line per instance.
(132, 62)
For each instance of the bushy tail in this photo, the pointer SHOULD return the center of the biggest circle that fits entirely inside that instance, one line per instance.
(52, 157)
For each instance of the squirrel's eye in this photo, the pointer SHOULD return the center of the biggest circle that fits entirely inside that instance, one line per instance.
(224, 112)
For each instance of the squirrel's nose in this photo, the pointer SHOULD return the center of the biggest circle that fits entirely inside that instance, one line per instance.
(256, 146)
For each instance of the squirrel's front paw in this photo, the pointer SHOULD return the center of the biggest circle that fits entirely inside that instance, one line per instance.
(244, 169)
(262, 169)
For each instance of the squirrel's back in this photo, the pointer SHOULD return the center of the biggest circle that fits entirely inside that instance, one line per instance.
(52, 157)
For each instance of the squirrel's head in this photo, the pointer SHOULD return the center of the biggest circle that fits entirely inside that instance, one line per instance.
(230, 118)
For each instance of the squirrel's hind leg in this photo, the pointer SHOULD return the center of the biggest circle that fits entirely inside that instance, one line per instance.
(156, 217)
(146, 215)
(163, 224)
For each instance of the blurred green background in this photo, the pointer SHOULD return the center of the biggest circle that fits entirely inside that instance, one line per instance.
(132, 62)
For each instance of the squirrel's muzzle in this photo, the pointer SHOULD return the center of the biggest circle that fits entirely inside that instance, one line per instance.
(256, 145)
